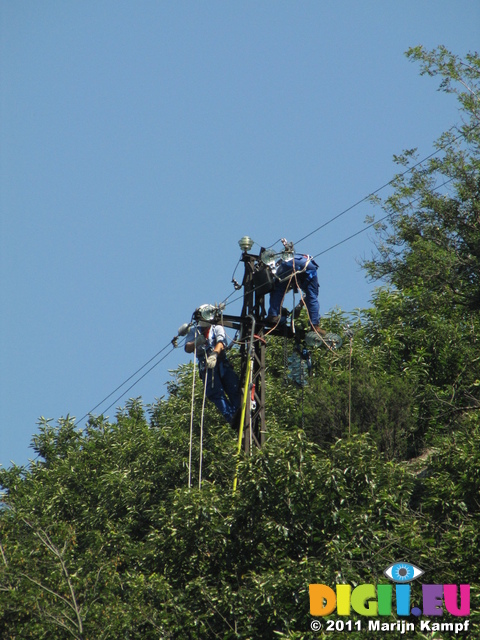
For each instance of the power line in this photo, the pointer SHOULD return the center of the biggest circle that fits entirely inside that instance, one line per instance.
(137, 381)
(431, 155)
(353, 235)
(356, 204)
(375, 222)
(125, 382)
(357, 233)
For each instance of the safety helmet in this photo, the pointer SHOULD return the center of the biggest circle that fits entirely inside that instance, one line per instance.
(205, 315)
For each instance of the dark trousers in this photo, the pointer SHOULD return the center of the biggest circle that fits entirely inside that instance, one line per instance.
(222, 387)
(308, 282)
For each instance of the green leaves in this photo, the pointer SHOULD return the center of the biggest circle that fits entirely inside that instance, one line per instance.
(376, 459)
(102, 542)
(432, 240)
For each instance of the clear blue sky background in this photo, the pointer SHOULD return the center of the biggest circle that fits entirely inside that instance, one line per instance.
(141, 140)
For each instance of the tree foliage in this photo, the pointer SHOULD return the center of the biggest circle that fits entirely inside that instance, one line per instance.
(431, 242)
(377, 459)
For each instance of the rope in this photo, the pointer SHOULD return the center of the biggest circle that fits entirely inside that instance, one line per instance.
(242, 421)
(201, 431)
(191, 419)
(303, 395)
(246, 390)
(293, 310)
(251, 391)
(350, 387)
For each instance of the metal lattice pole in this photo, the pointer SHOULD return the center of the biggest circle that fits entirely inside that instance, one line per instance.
(252, 316)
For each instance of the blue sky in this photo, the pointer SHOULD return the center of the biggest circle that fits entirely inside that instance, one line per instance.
(140, 140)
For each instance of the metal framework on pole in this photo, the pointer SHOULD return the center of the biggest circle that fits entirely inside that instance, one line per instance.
(257, 282)
(253, 310)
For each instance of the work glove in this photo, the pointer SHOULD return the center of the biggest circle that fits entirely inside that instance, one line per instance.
(212, 360)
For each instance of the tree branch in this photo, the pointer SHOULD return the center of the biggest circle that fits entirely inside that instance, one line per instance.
(60, 623)
(3, 555)
(53, 593)
(47, 542)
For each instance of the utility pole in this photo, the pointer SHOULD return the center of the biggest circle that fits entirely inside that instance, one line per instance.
(253, 346)
(258, 280)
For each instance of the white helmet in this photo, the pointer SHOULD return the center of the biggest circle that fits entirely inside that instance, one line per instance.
(205, 315)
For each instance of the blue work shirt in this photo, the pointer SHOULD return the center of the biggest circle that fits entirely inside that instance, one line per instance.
(303, 263)
(213, 334)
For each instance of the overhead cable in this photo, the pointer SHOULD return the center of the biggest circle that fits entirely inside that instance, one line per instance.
(431, 155)
(333, 246)
(390, 182)
(357, 233)
(375, 222)
(127, 380)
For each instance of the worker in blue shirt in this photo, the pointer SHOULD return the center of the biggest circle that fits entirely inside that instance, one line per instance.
(209, 341)
(296, 269)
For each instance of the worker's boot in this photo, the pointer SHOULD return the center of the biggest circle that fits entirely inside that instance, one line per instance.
(237, 417)
(281, 319)
(319, 330)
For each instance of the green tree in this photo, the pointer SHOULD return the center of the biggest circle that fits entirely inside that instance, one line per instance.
(428, 252)
(101, 538)
(432, 237)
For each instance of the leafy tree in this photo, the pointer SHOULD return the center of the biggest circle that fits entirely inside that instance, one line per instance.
(101, 537)
(432, 239)
(101, 543)
(428, 251)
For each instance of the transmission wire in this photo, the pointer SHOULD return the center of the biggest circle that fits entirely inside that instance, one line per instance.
(125, 382)
(353, 235)
(431, 155)
(357, 233)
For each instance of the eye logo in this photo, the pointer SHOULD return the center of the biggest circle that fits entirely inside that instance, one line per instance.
(403, 572)
(377, 599)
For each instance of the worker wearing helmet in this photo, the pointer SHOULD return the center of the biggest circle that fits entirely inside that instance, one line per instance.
(296, 270)
(209, 341)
